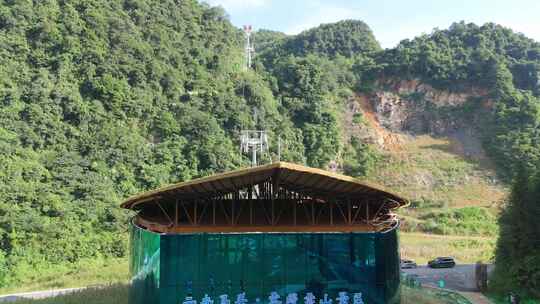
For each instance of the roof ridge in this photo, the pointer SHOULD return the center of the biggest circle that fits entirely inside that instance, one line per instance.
(257, 175)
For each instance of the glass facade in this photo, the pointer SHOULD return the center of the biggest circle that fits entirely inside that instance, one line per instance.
(166, 268)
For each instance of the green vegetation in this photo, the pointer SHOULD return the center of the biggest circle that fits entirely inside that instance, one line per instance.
(491, 57)
(85, 272)
(434, 174)
(422, 247)
(430, 296)
(501, 299)
(462, 221)
(103, 99)
(358, 118)
(345, 38)
(464, 55)
(517, 253)
(360, 159)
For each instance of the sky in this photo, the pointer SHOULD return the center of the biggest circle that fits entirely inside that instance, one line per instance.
(390, 20)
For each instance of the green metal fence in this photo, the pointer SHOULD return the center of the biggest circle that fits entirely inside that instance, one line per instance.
(168, 268)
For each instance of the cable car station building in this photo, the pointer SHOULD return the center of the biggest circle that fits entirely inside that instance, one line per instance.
(279, 228)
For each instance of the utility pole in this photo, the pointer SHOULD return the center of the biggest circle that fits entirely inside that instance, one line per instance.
(254, 141)
(248, 49)
(279, 149)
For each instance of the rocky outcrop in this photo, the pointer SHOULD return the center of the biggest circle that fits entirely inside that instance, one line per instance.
(430, 94)
(398, 111)
(370, 130)
(413, 107)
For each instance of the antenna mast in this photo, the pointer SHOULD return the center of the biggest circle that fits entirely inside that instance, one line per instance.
(254, 141)
(249, 49)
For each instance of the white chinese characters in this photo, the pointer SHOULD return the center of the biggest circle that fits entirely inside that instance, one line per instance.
(275, 298)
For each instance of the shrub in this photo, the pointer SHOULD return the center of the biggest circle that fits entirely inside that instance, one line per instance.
(463, 221)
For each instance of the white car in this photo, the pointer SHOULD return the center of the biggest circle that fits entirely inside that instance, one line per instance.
(407, 264)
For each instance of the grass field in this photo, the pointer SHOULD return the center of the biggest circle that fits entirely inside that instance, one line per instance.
(85, 273)
(466, 249)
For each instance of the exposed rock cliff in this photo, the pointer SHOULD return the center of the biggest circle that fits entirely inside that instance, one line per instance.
(414, 107)
(429, 141)
(399, 109)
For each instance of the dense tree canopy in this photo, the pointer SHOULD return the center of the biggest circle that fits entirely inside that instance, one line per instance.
(518, 247)
(465, 55)
(346, 38)
(100, 99)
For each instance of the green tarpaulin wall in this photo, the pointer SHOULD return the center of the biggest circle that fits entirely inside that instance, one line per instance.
(167, 268)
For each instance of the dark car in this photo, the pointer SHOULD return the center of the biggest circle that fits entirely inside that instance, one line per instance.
(407, 264)
(442, 262)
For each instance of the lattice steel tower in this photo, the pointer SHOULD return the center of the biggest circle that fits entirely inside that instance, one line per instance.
(249, 50)
(254, 141)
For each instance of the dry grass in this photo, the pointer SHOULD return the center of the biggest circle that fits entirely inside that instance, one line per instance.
(433, 168)
(466, 249)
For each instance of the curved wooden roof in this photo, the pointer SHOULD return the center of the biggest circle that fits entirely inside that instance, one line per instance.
(295, 177)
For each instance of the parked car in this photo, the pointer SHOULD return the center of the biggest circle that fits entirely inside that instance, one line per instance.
(407, 264)
(442, 262)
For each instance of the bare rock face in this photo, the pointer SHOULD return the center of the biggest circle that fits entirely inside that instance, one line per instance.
(398, 110)
(369, 130)
(359, 105)
(411, 106)
(391, 110)
(436, 97)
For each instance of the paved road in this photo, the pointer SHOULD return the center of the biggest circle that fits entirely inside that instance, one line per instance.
(461, 277)
(37, 294)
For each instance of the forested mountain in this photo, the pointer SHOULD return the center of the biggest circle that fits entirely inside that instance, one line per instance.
(505, 64)
(345, 38)
(102, 99)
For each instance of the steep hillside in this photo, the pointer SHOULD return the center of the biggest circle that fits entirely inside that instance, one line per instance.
(438, 162)
(102, 99)
(486, 76)
(443, 118)
(500, 66)
(428, 156)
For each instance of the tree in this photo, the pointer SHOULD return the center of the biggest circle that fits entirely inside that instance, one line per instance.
(518, 247)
